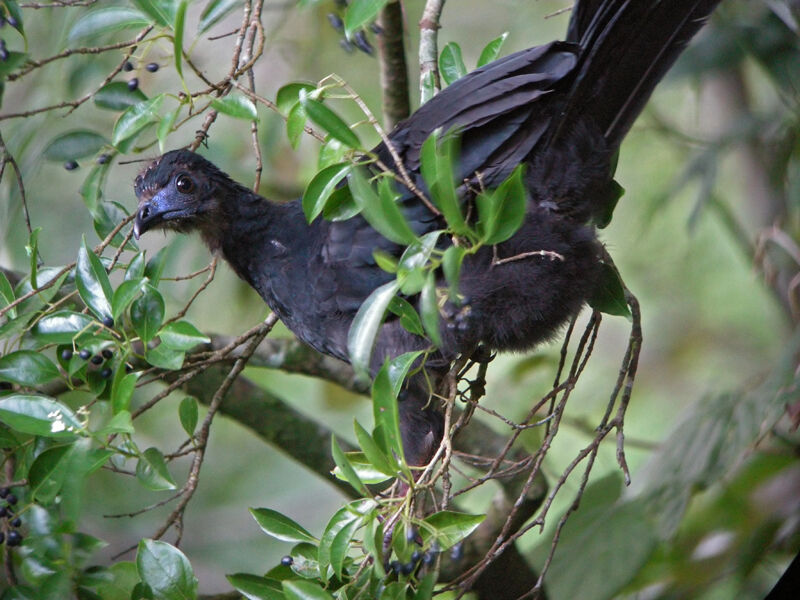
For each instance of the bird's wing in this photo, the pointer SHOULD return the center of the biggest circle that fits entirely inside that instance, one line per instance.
(500, 111)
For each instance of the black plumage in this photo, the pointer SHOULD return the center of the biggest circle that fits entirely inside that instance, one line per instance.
(560, 109)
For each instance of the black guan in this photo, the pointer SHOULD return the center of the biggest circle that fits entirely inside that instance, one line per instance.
(561, 110)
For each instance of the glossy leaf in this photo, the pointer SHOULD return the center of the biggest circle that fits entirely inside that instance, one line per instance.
(166, 571)
(398, 369)
(123, 296)
(429, 309)
(136, 118)
(152, 471)
(409, 318)
(386, 414)
(295, 124)
(60, 327)
(254, 587)
(303, 589)
(147, 313)
(38, 415)
(448, 527)
(118, 96)
(366, 324)
(451, 64)
(120, 423)
(182, 335)
(214, 12)
(382, 212)
(26, 367)
(361, 13)
(47, 473)
(280, 526)
(320, 188)
(346, 469)
(236, 106)
(328, 120)
(165, 358)
(491, 50)
(122, 388)
(106, 19)
(177, 40)
(372, 452)
(92, 282)
(609, 293)
(438, 161)
(74, 145)
(341, 519)
(165, 127)
(161, 12)
(289, 95)
(14, 60)
(188, 414)
(451, 266)
(502, 211)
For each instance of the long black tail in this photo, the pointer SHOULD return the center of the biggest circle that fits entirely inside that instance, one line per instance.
(626, 48)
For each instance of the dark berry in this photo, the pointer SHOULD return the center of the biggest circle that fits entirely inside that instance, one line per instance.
(287, 561)
(395, 566)
(14, 538)
(2, 43)
(105, 373)
(108, 322)
(4, 492)
(97, 359)
(4, 385)
(407, 569)
(133, 84)
(128, 66)
(16, 522)
(71, 165)
(428, 558)
(84, 354)
(457, 552)
(12, 21)
(361, 42)
(152, 67)
(12, 499)
(102, 159)
(3, 512)
(3, 54)
(335, 21)
(107, 353)
(415, 556)
(376, 29)
(66, 354)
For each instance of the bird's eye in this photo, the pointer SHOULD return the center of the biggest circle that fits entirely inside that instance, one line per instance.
(184, 184)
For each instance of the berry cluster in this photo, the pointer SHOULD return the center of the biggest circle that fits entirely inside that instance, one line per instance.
(96, 359)
(9, 531)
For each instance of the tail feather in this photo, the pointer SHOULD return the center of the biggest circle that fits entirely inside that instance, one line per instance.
(627, 46)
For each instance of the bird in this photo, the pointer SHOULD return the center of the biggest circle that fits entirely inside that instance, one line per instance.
(561, 110)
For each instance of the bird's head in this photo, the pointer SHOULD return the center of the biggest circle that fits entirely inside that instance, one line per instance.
(181, 191)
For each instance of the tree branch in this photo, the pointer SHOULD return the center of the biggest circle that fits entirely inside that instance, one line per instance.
(394, 70)
(429, 81)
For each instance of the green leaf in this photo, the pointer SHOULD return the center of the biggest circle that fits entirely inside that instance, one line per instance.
(14, 60)
(409, 318)
(122, 389)
(118, 96)
(165, 358)
(60, 327)
(298, 589)
(399, 367)
(366, 324)
(346, 468)
(38, 415)
(155, 266)
(328, 120)
(124, 295)
(289, 95)
(295, 124)
(372, 452)
(161, 12)
(214, 12)
(491, 50)
(166, 571)
(124, 578)
(386, 414)
(187, 413)
(92, 282)
(107, 215)
(165, 127)
(361, 13)
(47, 473)
(73, 145)
(182, 335)
(26, 367)
(136, 118)
(429, 310)
(437, 163)
(451, 64)
(177, 40)
(362, 468)
(502, 212)
(236, 106)
(104, 20)
(451, 266)
(382, 212)
(12, 6)
(254, 587)
(321, 187)
(609, 293)
(152, 471)
(280, 526)
(119, 423)
(343, 517)
(448, 527)
(6, 294)
(340, 206)
(147, 313)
